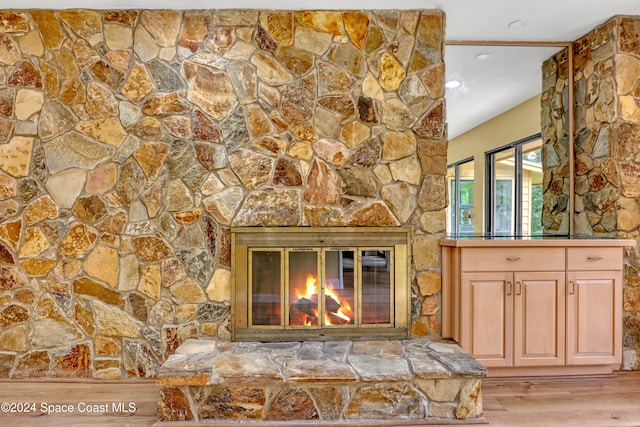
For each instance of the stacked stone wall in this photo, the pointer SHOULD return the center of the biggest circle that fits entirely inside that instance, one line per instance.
(607, 149)
(626, 170)
(131, 141)
(554, 125)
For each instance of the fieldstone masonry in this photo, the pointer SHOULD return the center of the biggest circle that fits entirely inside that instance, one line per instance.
(131, 141)
(554, 126)
(607, 147)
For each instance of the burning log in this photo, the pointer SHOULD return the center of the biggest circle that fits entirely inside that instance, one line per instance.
(331, 304)
(304, 312)
(306, 306)
(298, 318)
(335, 319)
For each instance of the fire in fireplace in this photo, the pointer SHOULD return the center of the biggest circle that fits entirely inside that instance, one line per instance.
(304, 294)
(308, 283)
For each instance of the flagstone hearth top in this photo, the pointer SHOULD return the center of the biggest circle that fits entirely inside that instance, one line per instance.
(200, 362)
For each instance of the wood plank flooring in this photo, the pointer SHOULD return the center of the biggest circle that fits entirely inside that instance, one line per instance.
(564, 402)
(82, 396)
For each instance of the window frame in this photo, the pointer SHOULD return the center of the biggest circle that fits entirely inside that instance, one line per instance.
(490, 185)
(454, 198)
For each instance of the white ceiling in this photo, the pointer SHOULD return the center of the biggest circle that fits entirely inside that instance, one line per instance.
(491, 86)
(479, 20)
(510, 75)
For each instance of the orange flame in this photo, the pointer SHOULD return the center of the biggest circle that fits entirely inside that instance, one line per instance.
(310, 292)
(344, 312)
(312, 286)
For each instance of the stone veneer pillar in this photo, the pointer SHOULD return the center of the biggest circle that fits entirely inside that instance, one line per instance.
(554, 125)
(131, 141)
(607, 149)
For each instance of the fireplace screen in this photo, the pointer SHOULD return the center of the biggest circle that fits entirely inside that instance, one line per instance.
(315, 283)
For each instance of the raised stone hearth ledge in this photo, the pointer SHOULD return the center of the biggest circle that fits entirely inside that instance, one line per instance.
(344, 381)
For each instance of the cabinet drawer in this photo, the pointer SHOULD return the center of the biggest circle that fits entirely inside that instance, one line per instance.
(594, 258)
(513, 259)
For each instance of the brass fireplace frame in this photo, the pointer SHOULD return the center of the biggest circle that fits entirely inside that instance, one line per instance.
(244, 239)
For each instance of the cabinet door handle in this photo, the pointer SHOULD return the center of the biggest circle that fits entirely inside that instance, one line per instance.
(513, 258)
(572, 288)
(519, 288)
(594, 258)
(508, 288)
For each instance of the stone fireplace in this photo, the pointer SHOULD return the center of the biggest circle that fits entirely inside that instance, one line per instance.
(132, 143)
(320, 283)
(320, 333)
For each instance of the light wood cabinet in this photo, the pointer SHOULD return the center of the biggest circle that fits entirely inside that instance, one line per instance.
(528, 310)
(594, 306)
(485, 326)
(513, 319)
(539, 318)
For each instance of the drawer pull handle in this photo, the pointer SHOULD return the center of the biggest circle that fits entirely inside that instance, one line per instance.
(594, 258)
(513, 258)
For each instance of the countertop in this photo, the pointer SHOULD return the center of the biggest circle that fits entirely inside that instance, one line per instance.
(534, 241)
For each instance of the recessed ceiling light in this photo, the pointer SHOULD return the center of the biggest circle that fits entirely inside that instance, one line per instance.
(483, 56)
(452, 84)
(516, 24)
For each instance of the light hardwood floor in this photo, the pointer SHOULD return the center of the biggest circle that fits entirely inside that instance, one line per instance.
(566, 402)
(563, 402)
(81, 396)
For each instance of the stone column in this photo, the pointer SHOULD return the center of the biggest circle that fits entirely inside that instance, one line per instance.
(607, 149)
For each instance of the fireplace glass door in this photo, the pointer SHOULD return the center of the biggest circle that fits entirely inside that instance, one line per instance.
(339, 287)
(326, 284)
(310, 288)
(266, 273)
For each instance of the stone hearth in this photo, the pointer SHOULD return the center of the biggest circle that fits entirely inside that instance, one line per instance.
(330, 381)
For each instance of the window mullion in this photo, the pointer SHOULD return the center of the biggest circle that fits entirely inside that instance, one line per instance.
(456, 200)
(518, 190)
(490, 186)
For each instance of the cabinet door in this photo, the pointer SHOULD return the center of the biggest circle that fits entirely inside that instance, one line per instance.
(486, 326)
(539, 319)
(594, 317)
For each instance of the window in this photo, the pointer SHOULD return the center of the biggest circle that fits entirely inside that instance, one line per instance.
(503, 207)
(514, 189)
(460, 221)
